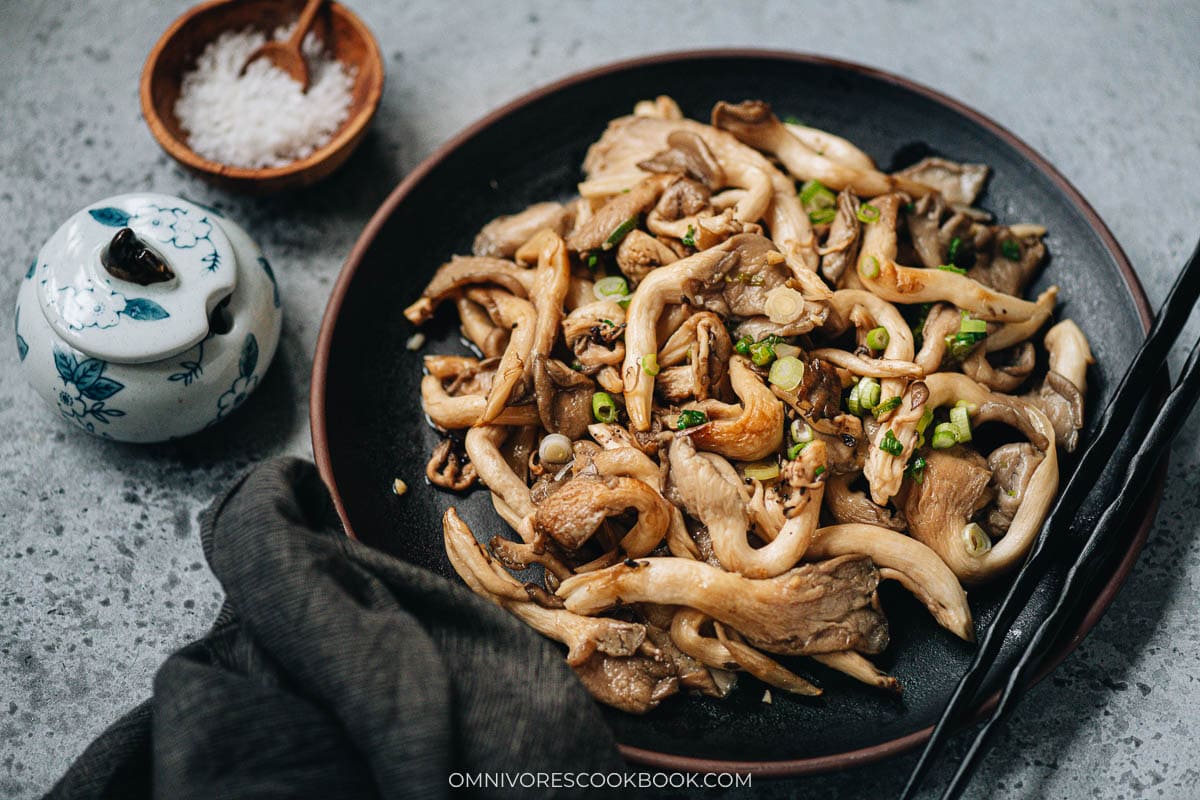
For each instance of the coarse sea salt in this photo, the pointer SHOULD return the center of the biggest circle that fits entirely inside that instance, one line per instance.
(261, 118)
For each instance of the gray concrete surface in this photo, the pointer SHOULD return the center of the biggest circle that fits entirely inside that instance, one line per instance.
(101, 574)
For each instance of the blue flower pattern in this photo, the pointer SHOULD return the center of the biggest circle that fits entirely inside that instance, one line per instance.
(262, 262)
(170, 225)
(94, 306)
(84, 396)
(245, 382)
(192, 368)
(22, 345)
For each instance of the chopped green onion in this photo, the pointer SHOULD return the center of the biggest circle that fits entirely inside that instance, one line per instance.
(890, 444)
(922, 424)
(970, 407)
(869, 267)
(975, 539)
(762, 471)
(650, 364)
(690, 419)
(801, 433)
(944, 435)
(960, 344)
(592, 260)
(792, 119)
(783, 350)
(786, 373)
(1010, 249)
(783, 304)
(555, 449)
(952, 268)
(619, 233)
(952, 250)
(969, 325)
(762, 353)
(624, 302)
(818, 472)
(604, 408)
(610, 287)
(961, 421)
(577, 366)
(814, 195)
(822, 216)
(852, 403)
(795, 450)
(878, 338)
(868, 393)
(743, 345)
(689, 238)
(910, 207)
(868, 213)
(886, 407)
(916, 469)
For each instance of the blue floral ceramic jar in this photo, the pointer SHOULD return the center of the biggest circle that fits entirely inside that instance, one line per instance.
(146, 317)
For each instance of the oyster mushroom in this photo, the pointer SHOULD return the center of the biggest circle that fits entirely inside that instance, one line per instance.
(909, 562)
(832, 147)
(849, 506)
(639, 253)
(826, 607)
(942, 320)
(1003, 378)
(633, 684)
(754, 433)
(520, 316)
(841, 246)
(451, 412)
(1061, 395)
(1010, 262)
(960, 184)
(1012, 466)
(866, 311)
(501, 237)
(881, 275)
(564, 397)
(1009, 334)
(595, 332)
(703, 343)
(715, 501)
(462, 271)
(447, 470)
(573, 513)
(689, 155)
(584, 636)
(483, 448)
(478, 327)
(594, 234)
(753, 122)
(551, 281)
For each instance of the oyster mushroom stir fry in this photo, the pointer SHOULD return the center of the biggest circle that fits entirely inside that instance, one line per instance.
(740, 379)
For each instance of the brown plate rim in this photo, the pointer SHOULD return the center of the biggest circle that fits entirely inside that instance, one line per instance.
(786, 767)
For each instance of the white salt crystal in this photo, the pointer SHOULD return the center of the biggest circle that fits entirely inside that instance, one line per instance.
(262, 118)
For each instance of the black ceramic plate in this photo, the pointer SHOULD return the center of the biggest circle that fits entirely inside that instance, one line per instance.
(368, 426)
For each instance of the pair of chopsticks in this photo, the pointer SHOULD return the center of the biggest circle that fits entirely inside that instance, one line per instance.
(1057, 540)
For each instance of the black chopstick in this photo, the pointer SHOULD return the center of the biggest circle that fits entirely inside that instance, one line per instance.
(1141, 469)
(1053, 537)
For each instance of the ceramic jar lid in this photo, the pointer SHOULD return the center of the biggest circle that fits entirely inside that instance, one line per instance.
(134, 278)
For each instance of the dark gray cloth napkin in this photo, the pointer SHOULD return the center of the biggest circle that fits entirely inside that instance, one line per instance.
(336, 671)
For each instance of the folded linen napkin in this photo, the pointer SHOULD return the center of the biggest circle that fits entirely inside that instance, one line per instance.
(335, 670)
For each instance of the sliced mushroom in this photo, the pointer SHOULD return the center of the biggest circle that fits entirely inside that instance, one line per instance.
(1070, 354)
(717, 502)
(596, 233)
(1061, 395)
(573, 513)
(849, 506)
(564, 397)
(463, 271)
(901, 558)
(753, 122)
(960, 184)
(826, 607)
(451, 413)
(447, 470)
(595, 333)
(942, 320)
(1003, 272)
(856, 666)
(478, 327)
(702, 344)
(551, 281)
(1012, 466)
(832, 147)
(879, 272)
(841, 246)
(756, 432)
(501, 237)
(521, 318)
(639, 253)
(483, 448)
(1005, 336)
(633, 684)
(1003, 378)
(687, 154)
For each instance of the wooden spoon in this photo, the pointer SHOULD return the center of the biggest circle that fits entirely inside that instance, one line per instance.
(287, 55)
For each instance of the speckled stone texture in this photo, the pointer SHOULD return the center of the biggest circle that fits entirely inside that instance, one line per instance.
(101, 573)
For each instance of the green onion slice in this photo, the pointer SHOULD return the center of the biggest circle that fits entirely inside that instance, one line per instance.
(620, 232)
(822, 216)
(610, 287)
(762, 470)
(1010, 249)
(890, 444)
(852, 403)
(886, 407)
(969, 325)
(762, 353)
(878, 338)
(815, 195)
(604, 408)
(952, 268)
(868, 213)
(690, 419)
(944, 435)
(801, 432)
(743, 345)
(786, 373)
(869, 267)
(795, 450)
(961, 421)
(689, 238)
(952, 250)
(868, 393)
(650, 364)
(916, 469)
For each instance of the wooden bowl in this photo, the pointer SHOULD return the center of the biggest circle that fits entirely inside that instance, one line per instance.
(345, 36)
